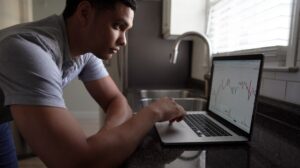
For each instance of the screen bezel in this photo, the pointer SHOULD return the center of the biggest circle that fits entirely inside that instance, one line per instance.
(239, 131)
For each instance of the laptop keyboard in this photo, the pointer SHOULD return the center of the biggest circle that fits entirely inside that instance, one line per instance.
(202, 125)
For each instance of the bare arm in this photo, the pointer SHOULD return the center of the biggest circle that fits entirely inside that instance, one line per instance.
(56, 137)
(115, 105)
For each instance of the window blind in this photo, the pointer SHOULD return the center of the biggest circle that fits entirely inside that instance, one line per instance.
(236, 25)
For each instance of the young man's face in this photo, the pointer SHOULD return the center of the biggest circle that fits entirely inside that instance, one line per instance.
(107, 32)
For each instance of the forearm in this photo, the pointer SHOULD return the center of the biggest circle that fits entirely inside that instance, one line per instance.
(108, 96)
(117, 112)
(56, 137)
(114, 146)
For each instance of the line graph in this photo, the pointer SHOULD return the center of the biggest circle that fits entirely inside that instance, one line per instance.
(233, 91)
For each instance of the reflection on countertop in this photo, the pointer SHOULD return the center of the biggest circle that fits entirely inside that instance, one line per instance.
(273, 145)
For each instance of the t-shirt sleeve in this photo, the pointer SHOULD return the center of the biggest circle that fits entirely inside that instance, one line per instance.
(28, 74)
(94, 69)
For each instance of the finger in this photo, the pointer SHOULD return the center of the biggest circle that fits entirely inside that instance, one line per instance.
(181, 110)
(179, 119)
(172, 120)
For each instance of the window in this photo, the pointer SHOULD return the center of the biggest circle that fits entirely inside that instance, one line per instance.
(251, 26)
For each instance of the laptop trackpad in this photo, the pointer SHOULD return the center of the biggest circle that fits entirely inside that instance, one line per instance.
(176, 132)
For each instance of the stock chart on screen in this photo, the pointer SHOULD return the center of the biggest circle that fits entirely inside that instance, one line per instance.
(233, 90)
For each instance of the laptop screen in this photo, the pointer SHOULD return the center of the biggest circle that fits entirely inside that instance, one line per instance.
(233, 91)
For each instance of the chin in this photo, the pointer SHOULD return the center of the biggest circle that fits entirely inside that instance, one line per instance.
(107, 57)
(104, 56)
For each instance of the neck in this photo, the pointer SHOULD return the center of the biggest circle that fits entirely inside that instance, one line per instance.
(75, 39)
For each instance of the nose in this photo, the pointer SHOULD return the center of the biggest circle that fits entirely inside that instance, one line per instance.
(122, 41)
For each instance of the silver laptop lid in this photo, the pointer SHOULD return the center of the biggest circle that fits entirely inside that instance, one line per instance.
(234, 88)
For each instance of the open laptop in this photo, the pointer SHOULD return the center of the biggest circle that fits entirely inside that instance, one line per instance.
(232, 98)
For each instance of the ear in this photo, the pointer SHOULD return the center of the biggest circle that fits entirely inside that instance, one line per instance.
(84, 13)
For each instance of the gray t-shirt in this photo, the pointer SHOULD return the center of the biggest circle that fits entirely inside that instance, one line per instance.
(35, 63)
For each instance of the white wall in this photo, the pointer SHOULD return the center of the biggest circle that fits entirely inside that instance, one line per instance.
(14, 11)
(8, 17)
(44, 8)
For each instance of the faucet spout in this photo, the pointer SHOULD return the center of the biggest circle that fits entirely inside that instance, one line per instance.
(174, 54)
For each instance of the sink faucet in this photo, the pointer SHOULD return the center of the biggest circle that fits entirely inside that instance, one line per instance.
(174, 54)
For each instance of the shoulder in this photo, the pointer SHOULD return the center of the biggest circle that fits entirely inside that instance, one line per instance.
(47, 33)
(21, 44)
(23, 52)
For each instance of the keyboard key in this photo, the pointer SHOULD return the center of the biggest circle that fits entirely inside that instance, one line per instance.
(202, 125)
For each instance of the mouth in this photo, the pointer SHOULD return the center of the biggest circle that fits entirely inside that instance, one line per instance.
(114, 50)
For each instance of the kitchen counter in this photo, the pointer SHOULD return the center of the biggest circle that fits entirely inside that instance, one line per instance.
(274, 144)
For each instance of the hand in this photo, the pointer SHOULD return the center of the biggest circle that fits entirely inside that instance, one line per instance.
(166, 109)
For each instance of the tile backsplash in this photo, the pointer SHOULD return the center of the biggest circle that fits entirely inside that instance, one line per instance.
(282, 86)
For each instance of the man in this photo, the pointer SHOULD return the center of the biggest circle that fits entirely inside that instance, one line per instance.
(38, 59)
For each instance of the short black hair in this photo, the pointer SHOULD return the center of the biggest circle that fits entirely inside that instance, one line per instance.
(71, 5)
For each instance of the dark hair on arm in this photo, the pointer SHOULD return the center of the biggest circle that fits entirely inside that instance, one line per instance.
(71, 5)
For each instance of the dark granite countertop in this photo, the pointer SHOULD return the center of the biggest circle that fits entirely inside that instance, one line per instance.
(273, 145)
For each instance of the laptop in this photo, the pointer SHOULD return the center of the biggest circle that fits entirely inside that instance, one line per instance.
(233, 92)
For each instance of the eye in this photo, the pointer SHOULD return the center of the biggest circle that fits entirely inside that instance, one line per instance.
(116, 26)
(119, 26)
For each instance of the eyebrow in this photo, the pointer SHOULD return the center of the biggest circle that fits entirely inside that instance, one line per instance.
(123, 22)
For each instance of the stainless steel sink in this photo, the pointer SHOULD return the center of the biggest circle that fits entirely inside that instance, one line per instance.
(189, 104)
(176, 93)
